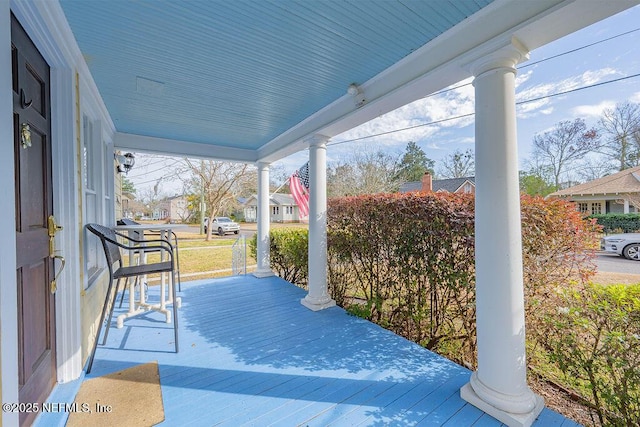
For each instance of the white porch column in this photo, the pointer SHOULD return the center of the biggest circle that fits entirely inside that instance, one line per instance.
(318, 296)
(264, 267)
(499, 386)
(626, 206)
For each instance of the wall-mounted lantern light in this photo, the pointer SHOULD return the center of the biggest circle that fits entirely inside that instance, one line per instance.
(125, 162)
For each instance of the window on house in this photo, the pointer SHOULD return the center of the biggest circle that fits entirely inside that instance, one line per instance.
(275, 210)
(97, 195)
(583, 207)
(596, 208)
(90, 202)
(107, 183)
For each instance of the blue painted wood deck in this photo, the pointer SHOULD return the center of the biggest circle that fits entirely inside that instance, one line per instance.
(251, 354)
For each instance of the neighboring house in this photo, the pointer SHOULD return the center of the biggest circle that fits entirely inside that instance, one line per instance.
(612, 194)
(430, 185)
(282, 208)
(172, 208)
(129, 206)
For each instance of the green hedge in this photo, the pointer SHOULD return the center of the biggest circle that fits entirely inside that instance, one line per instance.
(594, 337)
(288, 254)
(618, 223)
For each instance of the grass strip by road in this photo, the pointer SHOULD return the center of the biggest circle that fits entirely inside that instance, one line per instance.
(199, 261)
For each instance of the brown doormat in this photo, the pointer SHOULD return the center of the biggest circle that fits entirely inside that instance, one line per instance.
(131, 397)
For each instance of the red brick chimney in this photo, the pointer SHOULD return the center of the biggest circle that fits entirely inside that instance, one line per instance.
(427, 186)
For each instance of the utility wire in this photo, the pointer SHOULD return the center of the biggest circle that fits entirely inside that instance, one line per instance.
(517, 103)
(462, 116)
(156, 170)
(578, 89)
(530, 64)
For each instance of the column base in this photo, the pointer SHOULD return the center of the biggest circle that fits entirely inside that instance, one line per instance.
(260, 274)
(511, 419)
(314, 304)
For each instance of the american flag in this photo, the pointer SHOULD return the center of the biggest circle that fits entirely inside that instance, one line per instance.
(299, 186)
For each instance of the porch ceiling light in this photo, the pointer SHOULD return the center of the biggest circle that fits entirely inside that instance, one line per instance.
(356, 92)
(125, 162)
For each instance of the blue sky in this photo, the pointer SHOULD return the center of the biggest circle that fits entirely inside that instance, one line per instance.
(602, 62)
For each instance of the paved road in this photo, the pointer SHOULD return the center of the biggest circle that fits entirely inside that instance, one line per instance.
(616, 264)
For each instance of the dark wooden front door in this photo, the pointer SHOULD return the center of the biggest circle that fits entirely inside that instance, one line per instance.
(34, 204)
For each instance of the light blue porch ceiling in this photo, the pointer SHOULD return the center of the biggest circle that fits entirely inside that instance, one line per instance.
(251, 80)
(240, 73)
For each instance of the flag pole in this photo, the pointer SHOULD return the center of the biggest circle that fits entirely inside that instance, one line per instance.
(281, 185)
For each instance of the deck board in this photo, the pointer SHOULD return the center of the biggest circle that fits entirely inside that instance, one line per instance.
(252, 355)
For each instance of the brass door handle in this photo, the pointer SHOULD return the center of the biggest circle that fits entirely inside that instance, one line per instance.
(52, 229)
(54, 283)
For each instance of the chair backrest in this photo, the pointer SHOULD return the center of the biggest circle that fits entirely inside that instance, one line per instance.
(111, 250)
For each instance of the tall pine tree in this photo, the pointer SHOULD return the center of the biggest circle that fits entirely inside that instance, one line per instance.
(414, 163)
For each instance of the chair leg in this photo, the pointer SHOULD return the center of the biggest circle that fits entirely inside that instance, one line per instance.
(113, 304)
(124, 291)
(175, 237)
(175, 309)
(102, 316)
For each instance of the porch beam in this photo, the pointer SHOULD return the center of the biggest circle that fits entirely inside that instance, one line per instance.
(166, 146)
(318, 296)
(499, 386)
(264, 267)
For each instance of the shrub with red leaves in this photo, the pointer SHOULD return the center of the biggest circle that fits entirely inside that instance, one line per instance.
(406, 262)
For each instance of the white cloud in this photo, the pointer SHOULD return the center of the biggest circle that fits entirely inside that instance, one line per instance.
(467, 140)
(591, 77)
(420, 119)
(541, 92)
(531, 109)
(522, 78)
(635, 97)
(592, 110)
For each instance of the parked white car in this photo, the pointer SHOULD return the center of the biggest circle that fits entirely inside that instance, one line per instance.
(222, 225)
(626, 245)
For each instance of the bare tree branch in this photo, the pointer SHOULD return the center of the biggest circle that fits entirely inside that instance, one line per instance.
(220, 183)
(621, 125)
(562, 146)
(459, 164)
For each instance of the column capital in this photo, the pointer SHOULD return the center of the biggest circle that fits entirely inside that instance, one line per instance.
(263, 165)
(507, 56)
(317, 140)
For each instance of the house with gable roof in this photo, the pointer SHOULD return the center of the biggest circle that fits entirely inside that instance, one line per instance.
(282, 208)
(430, 185)
(613, 193)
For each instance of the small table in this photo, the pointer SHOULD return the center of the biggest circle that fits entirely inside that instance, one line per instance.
(143, 306)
